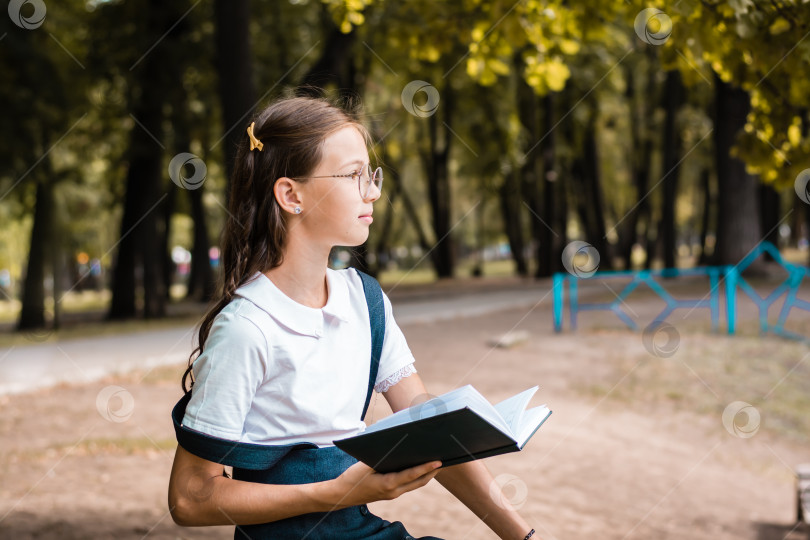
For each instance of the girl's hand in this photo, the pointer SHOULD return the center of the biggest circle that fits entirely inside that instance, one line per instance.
(360, 484)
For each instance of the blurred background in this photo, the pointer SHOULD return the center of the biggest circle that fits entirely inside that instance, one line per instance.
(667, 136)
(526, 144)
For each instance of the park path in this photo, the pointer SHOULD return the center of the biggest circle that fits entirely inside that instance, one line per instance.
(41, 365)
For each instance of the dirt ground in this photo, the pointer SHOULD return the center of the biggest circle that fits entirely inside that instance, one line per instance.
(636, 447)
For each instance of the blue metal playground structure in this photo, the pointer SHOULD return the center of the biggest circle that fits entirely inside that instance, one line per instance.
(734, 282)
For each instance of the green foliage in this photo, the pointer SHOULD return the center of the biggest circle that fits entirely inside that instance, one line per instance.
(763, 48)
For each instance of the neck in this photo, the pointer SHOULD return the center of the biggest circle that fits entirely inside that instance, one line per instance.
(302, 274)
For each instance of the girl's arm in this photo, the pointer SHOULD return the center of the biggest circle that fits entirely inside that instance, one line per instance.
(471, 482)
(199, 493)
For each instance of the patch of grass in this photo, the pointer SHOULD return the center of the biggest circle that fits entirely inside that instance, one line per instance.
(425, 274)
(97, 329)
(168, 374)
(98, 446)
(708, 372)
(123, 445)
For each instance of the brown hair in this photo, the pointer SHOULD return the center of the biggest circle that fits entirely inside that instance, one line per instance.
(293, 131)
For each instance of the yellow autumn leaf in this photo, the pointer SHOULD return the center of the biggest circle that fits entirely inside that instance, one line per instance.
(488, 78)
(478, 32)
(794, 135)
(474, 67)
(569, 46)
(556, 75)
(355, 18)
(430, 53)
(498, 66)
(779, 25)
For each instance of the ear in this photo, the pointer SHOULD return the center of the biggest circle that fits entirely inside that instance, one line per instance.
(287, 193)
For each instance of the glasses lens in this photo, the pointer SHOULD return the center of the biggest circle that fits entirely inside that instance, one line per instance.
(370, 176)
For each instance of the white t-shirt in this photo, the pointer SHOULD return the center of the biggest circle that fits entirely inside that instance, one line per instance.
(274, 371)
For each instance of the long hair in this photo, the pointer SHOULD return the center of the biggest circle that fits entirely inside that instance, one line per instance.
(292, 131)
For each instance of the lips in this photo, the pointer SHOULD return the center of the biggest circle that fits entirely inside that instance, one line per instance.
(365, 215)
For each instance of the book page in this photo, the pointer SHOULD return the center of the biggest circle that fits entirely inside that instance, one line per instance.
(532, 419)
(450, 401)
(465, 396)
(511, 409)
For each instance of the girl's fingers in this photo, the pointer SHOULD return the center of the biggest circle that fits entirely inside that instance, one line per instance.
(418, 471)
(419, 482)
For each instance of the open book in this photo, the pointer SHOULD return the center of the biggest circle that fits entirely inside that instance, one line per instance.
(455, 427)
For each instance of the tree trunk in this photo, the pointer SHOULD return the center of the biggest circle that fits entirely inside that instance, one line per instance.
(439, 187)
(235, 68)
(550, 252)
(32, 314)
(167, 264)
(410, 209)
(531, 172)
(796, 220)
(673, 99)
(738, 224)
(335, 63)
(140, 248)
(595, 194)
(511, 212)
(708, 204)
(382, 247)
(641, 152)
(201, 283)
(769, 203)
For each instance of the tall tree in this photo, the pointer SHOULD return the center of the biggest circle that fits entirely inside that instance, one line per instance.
(738, 225)
(672, 101)
(234, 64)
(141, 254)
(42, 116)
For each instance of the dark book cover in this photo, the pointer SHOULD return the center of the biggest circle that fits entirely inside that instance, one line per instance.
(453, 437)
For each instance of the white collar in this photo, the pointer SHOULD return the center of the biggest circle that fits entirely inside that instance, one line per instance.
(302, 319)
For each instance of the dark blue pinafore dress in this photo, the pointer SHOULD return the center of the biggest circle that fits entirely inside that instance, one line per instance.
(301, 463)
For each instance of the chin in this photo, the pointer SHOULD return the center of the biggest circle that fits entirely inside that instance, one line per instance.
(360, 239)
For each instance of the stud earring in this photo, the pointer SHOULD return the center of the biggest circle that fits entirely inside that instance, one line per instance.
(297, 209)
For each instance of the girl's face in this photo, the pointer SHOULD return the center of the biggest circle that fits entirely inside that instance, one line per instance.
(332, 207)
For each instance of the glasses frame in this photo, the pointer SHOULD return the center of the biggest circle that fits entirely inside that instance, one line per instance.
(372, 176)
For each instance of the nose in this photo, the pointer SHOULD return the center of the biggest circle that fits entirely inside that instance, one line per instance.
(374, 192)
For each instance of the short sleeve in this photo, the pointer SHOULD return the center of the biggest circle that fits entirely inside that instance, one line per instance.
(396, 359)
(226, 376)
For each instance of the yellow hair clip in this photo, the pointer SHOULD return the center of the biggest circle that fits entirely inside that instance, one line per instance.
(254, 142)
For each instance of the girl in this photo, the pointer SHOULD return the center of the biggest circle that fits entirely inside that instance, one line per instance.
(283, 367)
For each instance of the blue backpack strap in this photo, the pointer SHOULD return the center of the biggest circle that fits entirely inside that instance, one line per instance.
(234, 453)
(376, 314)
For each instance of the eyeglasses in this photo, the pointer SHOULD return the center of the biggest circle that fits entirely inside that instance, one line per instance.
(364, 176)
